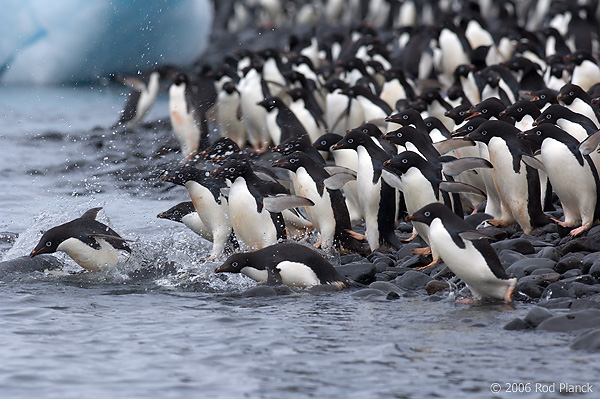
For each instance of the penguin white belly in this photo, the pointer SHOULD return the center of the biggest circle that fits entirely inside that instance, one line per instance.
(574, 129)
(194, 223)
(182, 121)
(257, 275)
(417, 193)
(391, 92)
(369, 195)
(321, 213)
(307, 120)
(586, 75)
(349, 159)
(468, 264)
(253, 115)
(227, 111)
(373, 113)
(512, 187)
(581, 107)
(213, 215)
(565, 173)
(297, 274)
(88, 257)
(146, 100)
(254, 230)
(493, 205)
(272, 127)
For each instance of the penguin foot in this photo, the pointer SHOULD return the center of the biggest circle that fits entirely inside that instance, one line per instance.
(468, 301)
(433, 263)
(357, 236)
(498, 222)
(560, 223)
(422, 251)
(318, 243)
(509, 293)
(412, 237)
(579, 230)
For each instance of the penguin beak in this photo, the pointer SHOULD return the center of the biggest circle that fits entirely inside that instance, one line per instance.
(411, 218)
(473, 115)
(36, 252)
(221, 269)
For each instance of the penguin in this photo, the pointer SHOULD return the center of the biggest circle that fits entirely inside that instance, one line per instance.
(422, 183)
(436, 129)
(578, 101)
(301, 144)
(437, 106)
(285, 263)
(342, 112)
(252, 90)
(528, 73)
(518, 184)
(348, 159)
(499, 83)
(586, 71)
(466, 252)
(308, 112)
(374, 108)
(228, 114)
(282, 123)
(143, 96)
(90, 243)
(329, 214)
(543, 98)
(524, 113)
(255, 205)
(577, 125)
(189, 125)
(185, 213)
(209, 202)
(572, 173)
(376, 198)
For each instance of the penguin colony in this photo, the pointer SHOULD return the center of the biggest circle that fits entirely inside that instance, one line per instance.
(376, 112)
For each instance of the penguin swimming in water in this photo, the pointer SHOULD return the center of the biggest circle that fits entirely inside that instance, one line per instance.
(185, 213)
(466, 252)
(329, 213)
(285, 263)
(90, 243)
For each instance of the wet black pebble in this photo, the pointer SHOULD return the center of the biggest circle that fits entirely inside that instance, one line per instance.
(351, 258)
(517, 325)
(568, 262)
(549, 253)
(361, 272)
(595, 269)
(508, 257)
(413, 280)
(537, 315)
(435, 286)
(588, 261)
(588, 341)
(518, 269)
(368, 293)
(385, 287)
(260, 291)
(520, 245)
(572, 321)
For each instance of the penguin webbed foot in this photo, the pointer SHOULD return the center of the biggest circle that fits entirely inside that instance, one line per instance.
(422, 251)
(578, 231)
(357, 236)
(498, 222)
(412, 237)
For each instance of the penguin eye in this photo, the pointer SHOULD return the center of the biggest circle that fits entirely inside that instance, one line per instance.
(231, 169)
(470, 128)
(571, 93)
(461, 113)
(428, 124)
(48, 243)
(538, 132)
(427, 213)
(350, 141)
(484, 111)
(293, 160)
(180, 175)
(399, 134)
(519, 109)
(483, 132)
(543, 96)
(404, 116)
(323, 142)
(234, 264)
(548, 116)
(405, 160)
(365, 130)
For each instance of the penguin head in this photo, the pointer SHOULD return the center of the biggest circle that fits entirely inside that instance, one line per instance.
(578, 57)
(519, 109)
(353, 139)
(291, 162)
(183, 174)
(490, 129)
(490, 107)
(543, 96)
(232, 169)
(569, 92)
(405, 117)
(234, 264)
(541, 132)
(402, 162)
(270, 103)
(223, 147)
(429, 212)
(292, 144)
(403, 135)
(50, 241)
(550, 115)
(326, 141)
(469, 127)
(177, 212)
(458, 113)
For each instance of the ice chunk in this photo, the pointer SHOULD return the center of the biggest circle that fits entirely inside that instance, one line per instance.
(78, 40)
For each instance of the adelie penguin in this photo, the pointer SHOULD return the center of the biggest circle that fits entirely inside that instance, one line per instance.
(572, 172)
(90, 243)
(185, 213)
(282, 123)
(329, 213)
(518, 183)
(255, 205)
(285, 263)
(377, 199)
(466, 252)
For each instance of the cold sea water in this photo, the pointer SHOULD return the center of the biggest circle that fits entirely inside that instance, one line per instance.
(164, 325)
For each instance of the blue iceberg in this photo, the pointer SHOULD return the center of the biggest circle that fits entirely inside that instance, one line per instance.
(62, 41)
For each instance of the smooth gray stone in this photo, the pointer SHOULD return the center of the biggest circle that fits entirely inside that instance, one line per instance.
(579, 290)
(572, 273)
(368, 292)
(508, 257)
(568, 262)
(538, 263)
(591, 302)
(517, 325)
(558, 289)
(556, 303)
(385, 286)
(361, 272)
(549, 253)
(520, 245)
(351, 258)
(413, 280)
(382, 277)
(595, 269)
(543, 270)
(588, 261)
(588, 341)
(406, 250)
(260, 291)
(537, 315)
(572, 321)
